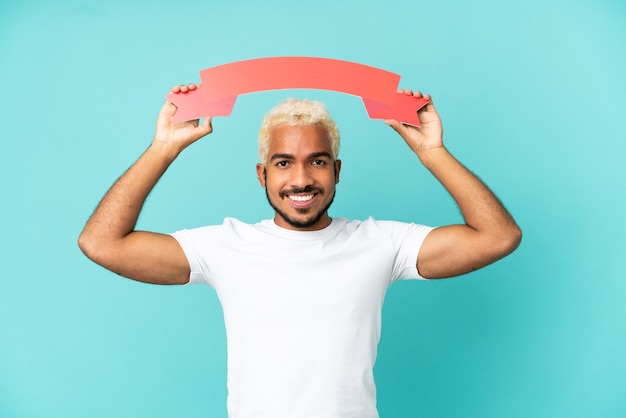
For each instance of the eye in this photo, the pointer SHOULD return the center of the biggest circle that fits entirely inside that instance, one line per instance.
(318, 162)
(282, 164)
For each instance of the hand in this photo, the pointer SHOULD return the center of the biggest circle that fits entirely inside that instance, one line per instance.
(179, 135)
(429, 135)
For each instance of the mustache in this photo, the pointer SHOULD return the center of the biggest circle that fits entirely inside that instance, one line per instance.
(298, 190)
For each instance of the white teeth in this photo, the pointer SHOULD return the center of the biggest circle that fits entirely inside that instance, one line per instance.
(301, 198)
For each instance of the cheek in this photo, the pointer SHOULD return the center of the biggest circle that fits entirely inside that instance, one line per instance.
(272, 181)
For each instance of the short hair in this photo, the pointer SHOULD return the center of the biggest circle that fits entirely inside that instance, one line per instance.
(296, 112)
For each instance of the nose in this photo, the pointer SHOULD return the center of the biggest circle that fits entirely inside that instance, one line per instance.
(301, 176)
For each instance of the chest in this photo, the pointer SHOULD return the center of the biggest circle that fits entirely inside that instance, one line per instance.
(345, 281)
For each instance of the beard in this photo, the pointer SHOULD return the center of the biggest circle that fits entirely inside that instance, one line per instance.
(296, 223)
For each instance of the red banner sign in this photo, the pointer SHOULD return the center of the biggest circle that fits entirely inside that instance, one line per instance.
(222, 85)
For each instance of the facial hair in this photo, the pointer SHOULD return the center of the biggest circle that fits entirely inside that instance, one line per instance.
(295, 222)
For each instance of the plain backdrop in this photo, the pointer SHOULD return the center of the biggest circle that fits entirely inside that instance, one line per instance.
(532, 96)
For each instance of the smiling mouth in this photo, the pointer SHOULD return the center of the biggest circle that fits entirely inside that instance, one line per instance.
(301, 195)
(301, 198)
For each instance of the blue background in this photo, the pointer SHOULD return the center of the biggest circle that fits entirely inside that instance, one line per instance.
(532, 95)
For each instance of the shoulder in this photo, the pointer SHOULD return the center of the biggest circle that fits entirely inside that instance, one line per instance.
(391, 227)
(227, 227)
(385, 232)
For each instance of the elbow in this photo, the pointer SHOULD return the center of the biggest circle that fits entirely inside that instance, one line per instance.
(509, 240)
(101, 250)
(518, 237)
(89, 246)
(501, 243)
(85, 244)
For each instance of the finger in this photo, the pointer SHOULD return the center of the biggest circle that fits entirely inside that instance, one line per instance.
(169, 108)
(394, 124)
(207, 125)
(203, 129)
(430, 107)
(181, 88)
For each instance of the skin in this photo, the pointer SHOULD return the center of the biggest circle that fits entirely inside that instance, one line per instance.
(298, 164)
(489, 232)
(109, 237)
(299, 176)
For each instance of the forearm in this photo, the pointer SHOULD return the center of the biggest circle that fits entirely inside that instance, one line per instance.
(116, 215)
(109, 237)
(480, 208)
(489, 232)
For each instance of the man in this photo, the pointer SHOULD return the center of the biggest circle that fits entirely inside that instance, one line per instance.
(302, 293)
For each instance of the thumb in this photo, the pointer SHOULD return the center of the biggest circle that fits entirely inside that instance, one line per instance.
(395, 125)
(205, 128)
(430, 107)
(168, 109)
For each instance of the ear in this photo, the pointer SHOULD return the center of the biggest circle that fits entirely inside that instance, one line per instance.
(260, 174)
(337, 170)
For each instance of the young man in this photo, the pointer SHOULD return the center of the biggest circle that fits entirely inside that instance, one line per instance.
(302, 293)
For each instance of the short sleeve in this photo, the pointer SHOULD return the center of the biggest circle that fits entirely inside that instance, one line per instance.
(406, 240)
(189, 243)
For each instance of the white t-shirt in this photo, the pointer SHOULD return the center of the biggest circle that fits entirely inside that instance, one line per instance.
(302, 310)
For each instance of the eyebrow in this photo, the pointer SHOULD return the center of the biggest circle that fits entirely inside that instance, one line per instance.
(291, 157)
(321, 154)
(281, 156)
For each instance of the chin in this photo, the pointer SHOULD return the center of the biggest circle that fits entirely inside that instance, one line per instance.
(299, 221)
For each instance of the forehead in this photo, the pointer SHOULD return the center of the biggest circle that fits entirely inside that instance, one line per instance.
(289, 139)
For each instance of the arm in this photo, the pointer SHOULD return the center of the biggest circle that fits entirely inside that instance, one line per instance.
(489, 232)
(109, 237)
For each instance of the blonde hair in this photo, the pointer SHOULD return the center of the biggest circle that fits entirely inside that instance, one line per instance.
(295, 112)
